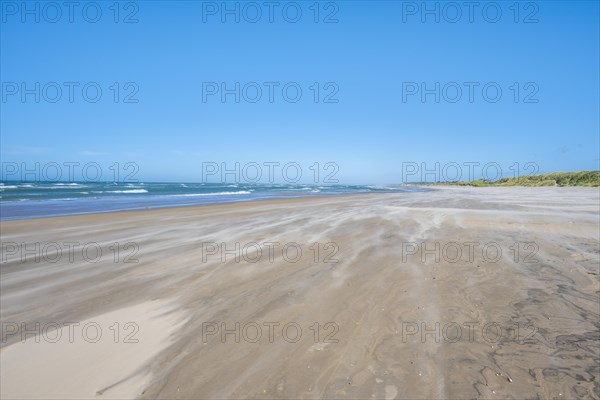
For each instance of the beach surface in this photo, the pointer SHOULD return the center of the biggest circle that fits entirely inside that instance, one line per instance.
(453, 293)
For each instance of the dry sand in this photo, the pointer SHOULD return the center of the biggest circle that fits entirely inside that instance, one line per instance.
(377, 308)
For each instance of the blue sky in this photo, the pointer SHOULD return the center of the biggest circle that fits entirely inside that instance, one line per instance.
(371, 56)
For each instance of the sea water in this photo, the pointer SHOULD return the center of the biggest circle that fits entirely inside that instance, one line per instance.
(20, 200)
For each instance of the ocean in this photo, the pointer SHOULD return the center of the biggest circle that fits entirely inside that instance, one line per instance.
(22, 200)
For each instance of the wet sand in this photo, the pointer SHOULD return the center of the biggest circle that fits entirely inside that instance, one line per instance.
(455, 293)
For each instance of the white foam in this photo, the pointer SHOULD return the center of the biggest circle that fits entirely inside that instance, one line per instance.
(122, 191)
(211, 194)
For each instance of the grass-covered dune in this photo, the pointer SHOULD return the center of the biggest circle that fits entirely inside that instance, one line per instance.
(581, 178)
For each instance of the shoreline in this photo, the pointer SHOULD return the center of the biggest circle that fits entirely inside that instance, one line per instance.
(28, 202)
(423, 188)
(174, 207)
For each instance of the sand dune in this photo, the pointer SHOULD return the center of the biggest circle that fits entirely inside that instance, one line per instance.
(372, 307)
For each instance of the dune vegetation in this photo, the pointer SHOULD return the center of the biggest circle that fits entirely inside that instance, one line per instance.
(581, 178)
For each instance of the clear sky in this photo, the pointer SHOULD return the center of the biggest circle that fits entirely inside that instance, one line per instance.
(369, 60)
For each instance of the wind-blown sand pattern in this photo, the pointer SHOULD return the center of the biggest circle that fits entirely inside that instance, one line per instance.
(372, 297)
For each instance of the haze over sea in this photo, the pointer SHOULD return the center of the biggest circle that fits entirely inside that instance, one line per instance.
(21, 200)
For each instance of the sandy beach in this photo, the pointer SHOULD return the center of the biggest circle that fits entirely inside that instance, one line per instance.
(452, 293)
